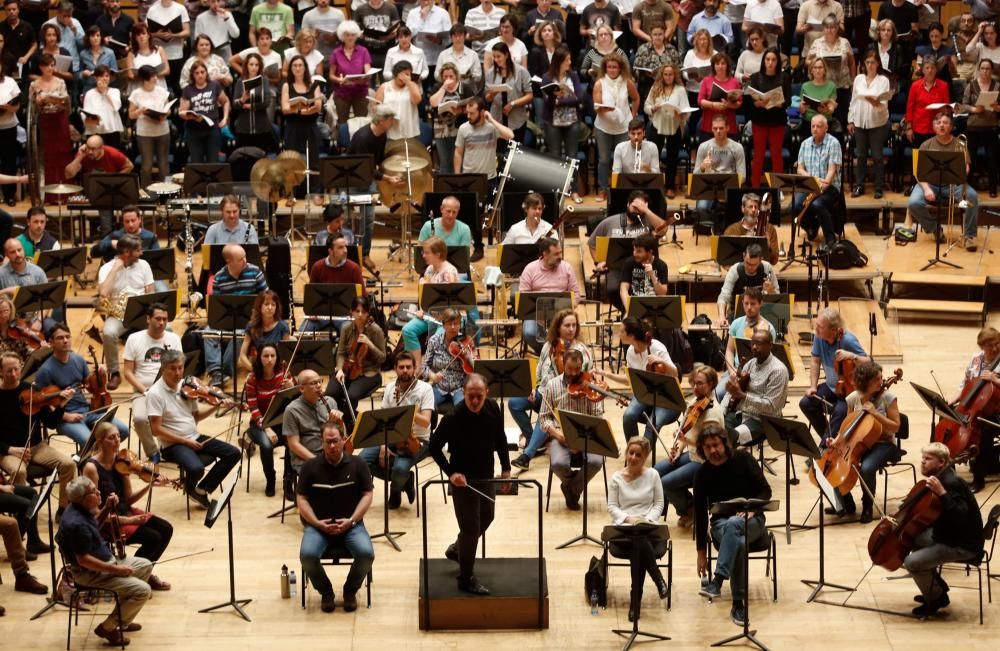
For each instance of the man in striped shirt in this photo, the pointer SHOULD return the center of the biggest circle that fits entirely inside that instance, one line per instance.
(237, 278)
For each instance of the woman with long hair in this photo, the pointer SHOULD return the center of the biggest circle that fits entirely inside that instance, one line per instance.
(102, 107)
(563, 335)
(604, 45)
(981, 129)
(94, 54)
(144, 53)
(651, 57)
(361, 332)
(510, 108)
(305, 47)
(985, 44)
(750, 59)
(768, 117)
(868, 122)
(301, 103)
(668, 122)
(146, 106)
(254, 108)
(267, 377)
(205, 107)
(266, 327)
(218, 69)
(561, 112)
(446, 123)
(48, 94)
(616, 101)
(547, 40)
(48, 43)
(712, 105)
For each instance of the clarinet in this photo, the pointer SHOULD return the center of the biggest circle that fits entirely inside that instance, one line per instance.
(194, 296)
(291, 300)
(958, 51)
(638, 160)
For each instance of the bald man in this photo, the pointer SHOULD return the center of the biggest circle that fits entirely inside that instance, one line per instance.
(237, 278)
(304, 419)
(93, 156)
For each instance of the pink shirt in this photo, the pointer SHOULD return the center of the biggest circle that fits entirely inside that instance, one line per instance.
(536, 278)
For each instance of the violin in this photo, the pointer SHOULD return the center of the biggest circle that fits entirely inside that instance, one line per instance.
(594, 390)
(354, 365)
(694, 412)
(656, 367)
(859, 432)
(127, 463)
(557, 353)
(97, 384)
(31, 400)
(977, 397)
(192, 389)
(463, 348)
(892, 538)
(742, 379)
(32, 340)
(845, 377)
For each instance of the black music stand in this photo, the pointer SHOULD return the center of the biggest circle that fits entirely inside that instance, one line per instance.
(582, 431)
(229, 313)
(214, 511)
(827, 493)
(793, 184)
(731, 508)
(458, 183)
(619, 249)
(315, 355)
(627, 533)
(88, 445)
(134, 317)
(515, 257)
(111, 191)
(437, 296)
(58, 263)
(198, 176)
(791, 437)
(162, 262)
(948, 167)
(457, 255)
(640, 181)
(526, 303)
(377, 427)
(664, 312)
(506, 378)
(744, 351)
(44, 296)
(938, 404)
(347, 173)
(656, 390)
(34, 361)
(329, 299)
(729, 248)
(53, 599)
(711, 186)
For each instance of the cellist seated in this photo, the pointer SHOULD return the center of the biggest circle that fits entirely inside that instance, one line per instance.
(870, 397)
(360, 353)
(406, 389)
(957, 535)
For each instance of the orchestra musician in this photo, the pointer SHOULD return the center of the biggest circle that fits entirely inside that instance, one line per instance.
(174, 420)
(236, 278)
(305, 416)
(335, 220)
(636, 155)
(532, 228)
(765, 394)
(15, 337)
(443, 369)
(727, 474)
(93, 564)
(10, 531)
(747, 226)
(635, 496)
(743, 327)
(555, 395)
(334, 268)
(265, 380)
(473, 434)
(678, 470)
(95, 156)
(266, 327)
(151, 532)
(821, 156)
(21, 272)
(230, 229)
(869, 397)
(66, 369)
(438, 270)
(35, 238)
(638, 219)
(125, 275)
(143, 350)
(360, 353)
(753, 271)
(396, 464)
(644, 351)
(979, 368)
(333, 495)
(131, 225)
(832, 345)
(22, 442)
(718, 155)
(644, 274)
(563, 335)
(956, 535)
(549, 273)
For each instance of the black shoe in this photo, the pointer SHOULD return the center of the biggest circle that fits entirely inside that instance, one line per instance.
(522, 462)
(849, 507)
(451, 553)
(350, 602)
(13, 202)
(30, 556)
(857, 191)
(866, 514)
(631, 614)
(395, 499)
(27, 583)
(878, 194)
(410, 489)
(928, 609)
(216, 379)
(328, 604)
(38, 547)
(919, 598)
(977, 485)
(477, 255)
(572, 502)
(662, 589)
(269, 488)
(200, 498)
(738, 613)
(472, 586)
(833, 511)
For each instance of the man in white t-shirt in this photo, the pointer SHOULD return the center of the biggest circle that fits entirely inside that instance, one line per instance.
(163, 13)
(143, 351)
(765, 12)
(532, 228)
(323, 20)
(127, 274)
(218, 24)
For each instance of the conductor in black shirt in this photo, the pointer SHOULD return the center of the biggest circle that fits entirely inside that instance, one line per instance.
(725, 475)
(473, 434)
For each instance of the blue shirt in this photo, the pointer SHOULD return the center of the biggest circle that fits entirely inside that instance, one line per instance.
(217, 233)
(715, 25)
(459, 236)
(74, 371)
(825, 352)
(816, 158)
(78, 534)
(251, 281)
(737, 330)
(272, 336)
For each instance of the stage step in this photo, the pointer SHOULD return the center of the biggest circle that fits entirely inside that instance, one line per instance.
(952, 284)
(513, 602)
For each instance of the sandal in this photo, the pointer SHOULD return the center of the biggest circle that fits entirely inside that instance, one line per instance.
(156, 583)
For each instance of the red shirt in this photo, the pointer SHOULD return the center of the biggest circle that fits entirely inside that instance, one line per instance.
(917, 113)
(349, 272)
(112, 162)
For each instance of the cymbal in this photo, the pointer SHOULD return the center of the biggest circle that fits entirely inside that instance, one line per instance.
(265, 180)
(62, 188)
(399, 164)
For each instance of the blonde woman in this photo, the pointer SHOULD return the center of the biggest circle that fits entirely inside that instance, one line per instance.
(616, 102)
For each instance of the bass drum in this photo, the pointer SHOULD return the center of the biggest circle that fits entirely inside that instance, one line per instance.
(530, 171)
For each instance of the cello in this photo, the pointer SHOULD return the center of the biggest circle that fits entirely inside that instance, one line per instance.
(859, 432)
(978, 397)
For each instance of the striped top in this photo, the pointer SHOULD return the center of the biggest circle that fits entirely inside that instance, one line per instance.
(260, 392)
(251, 281)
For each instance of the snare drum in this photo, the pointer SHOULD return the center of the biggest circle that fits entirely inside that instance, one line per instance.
(529, 171)
(164, 191)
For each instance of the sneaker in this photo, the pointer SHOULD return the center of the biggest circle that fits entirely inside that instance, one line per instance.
(215, 379)
(857, 191)
(522, 462)
(711, 589)
(738, 613)
(969, 243)
(27, 583)
(328, 603)
(350, 602)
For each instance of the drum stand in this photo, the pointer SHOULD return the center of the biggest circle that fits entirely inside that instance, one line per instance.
(405, 220)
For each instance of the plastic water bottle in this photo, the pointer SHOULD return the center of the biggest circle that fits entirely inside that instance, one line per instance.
(593, 601)
(285, 589)
(291, 583)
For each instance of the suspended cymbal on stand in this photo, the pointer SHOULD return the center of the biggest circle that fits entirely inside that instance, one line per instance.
(397, 163)
(62, 188)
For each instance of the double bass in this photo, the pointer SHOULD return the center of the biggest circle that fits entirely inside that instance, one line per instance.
(978, 397)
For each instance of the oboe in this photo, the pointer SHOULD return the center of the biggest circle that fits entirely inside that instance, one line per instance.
(194, 296)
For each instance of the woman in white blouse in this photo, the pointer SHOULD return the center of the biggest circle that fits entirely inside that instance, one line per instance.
(635, 496)
(218, 70)
(668, 122)
(101, 109)
(406, 51)
(305, 47)
(868, 122)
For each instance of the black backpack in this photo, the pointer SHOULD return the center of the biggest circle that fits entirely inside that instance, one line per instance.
(844, 254)
(706, 346)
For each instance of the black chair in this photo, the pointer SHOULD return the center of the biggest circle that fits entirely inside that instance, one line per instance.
(90, 595)
(548, 483)
(989, 533)
(896, 463)
(763, 549)
(337, 556)
(669, 565)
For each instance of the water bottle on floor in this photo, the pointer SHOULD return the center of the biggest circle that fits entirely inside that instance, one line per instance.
(291, 583)
(593, 602)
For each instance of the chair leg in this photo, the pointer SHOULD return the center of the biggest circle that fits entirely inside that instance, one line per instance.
(416, 484)
(774, 574)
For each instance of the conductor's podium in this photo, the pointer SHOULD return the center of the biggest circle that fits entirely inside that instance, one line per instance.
(518, 599)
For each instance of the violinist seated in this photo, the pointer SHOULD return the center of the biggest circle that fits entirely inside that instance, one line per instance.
(549, 273)
(556, 395)
(266, 327)
(644, 274)
(109, 470)
(20, 498)
(21, 447)
(763, 395)
(397, 462)
(16, 336)
(833, 346)
(957, 534)
(743, 327)
(677, 471)
(870, 397)
(127, 274)
(334, 268)
(19, 271)
(92, 563)
(635, 496)
(981, 368)
(66, 369)
(360, 353)
(267, 377)
(448, 360)
(753, 271)
(439, 270)
(563, 335)
(644, 353)
(747, 226)
(174, 418)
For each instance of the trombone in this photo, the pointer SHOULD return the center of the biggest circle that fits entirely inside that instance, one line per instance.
(961, 192)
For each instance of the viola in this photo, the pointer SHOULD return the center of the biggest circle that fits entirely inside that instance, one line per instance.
(354, 365)
(128, 463)
(656, 367)
(192, 389)
(742, 379)
(845, 377)
(694, 412)
(977, 398)
(463, 349)
(97, 384)
(32, 400)
(594, 390)
(557, 353)
(858, 433)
